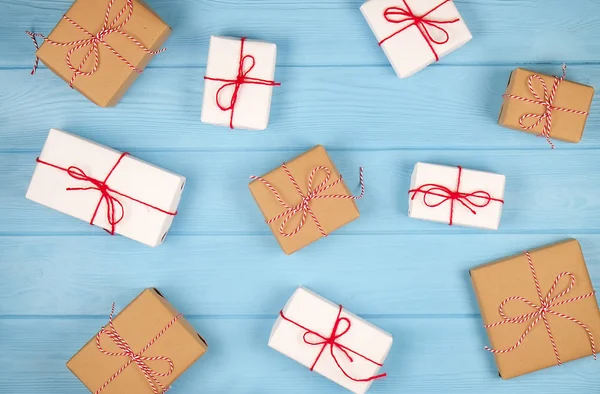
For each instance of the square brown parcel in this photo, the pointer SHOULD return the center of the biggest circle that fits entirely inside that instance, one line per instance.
(332, 213)
(113, 77)
(141, 321)
(570, 95)
(512, 277)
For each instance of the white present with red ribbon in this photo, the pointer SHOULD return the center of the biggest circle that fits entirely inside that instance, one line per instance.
(328, 339)
(415, 33)
(109, 189)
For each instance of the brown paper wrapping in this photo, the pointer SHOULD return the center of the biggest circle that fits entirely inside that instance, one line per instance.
(512, 277)
(565, 126)
(138, 323)
(108, 85)
(332, 213)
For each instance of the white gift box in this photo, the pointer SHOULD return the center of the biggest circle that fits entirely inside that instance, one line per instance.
(228, 103)
(411, 45)
(455, 195)
(367, 344)
(72, 177)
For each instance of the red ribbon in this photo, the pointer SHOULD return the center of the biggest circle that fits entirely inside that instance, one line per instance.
(94, 40)
(141, 361)
(423, 22)
(541, 312)
(241, 79)
(332, 342)
(547, 102)
(471, 201)
(115, 212)
(311, 194)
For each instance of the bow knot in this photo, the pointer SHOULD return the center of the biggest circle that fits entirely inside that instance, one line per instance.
(427, 25)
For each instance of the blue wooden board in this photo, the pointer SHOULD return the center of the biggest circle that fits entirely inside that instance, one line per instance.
(220, 265)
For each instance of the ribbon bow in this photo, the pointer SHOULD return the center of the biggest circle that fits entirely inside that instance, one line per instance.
(115, 211)
(547, 101)
(423, 22)
(93, 42)
(137, 358)
(242, 78)
(311, 195)
(541, 312)
(332, 341)
(471, 201)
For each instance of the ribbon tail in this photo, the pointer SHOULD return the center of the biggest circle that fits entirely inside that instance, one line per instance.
(35, 43)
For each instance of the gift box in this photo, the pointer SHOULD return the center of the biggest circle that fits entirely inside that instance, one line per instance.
(415, 33)
(328, 339)
(143, 350)
(305, 199)
(239, 83)
(100, 46)
(538, 308)
(545, 105)
(106, 188)
(456, 196)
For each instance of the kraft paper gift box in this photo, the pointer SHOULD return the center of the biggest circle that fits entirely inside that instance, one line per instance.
(546, 105)
(415, 33)
(456, 196)
(354, 355)
(550, 312)
(127, 43)
(239, 83)
(107, 188)
(163, 341)
(299, 217)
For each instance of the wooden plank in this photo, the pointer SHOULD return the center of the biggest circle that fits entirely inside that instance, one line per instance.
(428, 356)
(364, 107)
(334, 32)
(248, 275)
(546, 190)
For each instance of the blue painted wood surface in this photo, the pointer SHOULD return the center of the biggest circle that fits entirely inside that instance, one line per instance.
(221, 266)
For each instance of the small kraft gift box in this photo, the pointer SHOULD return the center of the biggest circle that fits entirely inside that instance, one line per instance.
(143, 350)
(239, 83)
(305, 199)
(538, 307)
(100, 46)
(331, 341)
(549, 106)
(106, 188)
(415, 33)
(456, 196)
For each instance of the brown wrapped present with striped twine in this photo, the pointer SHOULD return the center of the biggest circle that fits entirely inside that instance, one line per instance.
(539, 308)
(305, 199)
(142, 350)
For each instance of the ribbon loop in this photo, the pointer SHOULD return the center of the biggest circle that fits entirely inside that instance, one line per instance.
(305, 203)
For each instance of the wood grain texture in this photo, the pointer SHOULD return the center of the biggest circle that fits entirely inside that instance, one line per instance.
(358, 107)
(429, 355)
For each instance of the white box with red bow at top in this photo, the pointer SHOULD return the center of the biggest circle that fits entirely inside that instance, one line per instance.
(415, 33)
(109, 189)
(328, 339)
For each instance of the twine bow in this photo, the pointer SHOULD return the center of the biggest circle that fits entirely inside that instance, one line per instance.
(312, 194)
(115, 211)
(540, 313)
(547, 101)
(93, 42)
(471, 201)
(246, 64)
(313, 338)
(138, 358)
(424, 23)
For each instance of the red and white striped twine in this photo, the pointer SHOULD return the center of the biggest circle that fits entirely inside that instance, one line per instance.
(93, 42)
(311, 195)
(547, 101)
(137, 358)
(541, 312)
